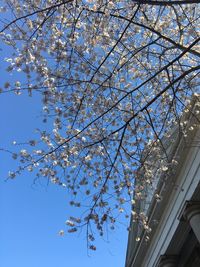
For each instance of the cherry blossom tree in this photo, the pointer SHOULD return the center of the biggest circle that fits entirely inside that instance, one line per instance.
(114, 76)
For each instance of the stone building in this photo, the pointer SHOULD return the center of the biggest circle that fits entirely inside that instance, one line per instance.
(175, 221)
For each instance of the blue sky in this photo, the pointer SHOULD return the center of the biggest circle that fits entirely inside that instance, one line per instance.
(32, 215)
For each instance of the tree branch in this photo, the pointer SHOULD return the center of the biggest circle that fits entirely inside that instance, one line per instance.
(165, 3)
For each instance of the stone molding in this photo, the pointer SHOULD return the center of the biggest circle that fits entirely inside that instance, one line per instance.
(191, 214)
(168, 261)
(190, 209)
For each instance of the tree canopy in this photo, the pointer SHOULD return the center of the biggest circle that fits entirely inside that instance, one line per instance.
(114, 76)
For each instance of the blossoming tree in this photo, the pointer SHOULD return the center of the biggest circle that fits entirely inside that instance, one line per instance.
(114, 77)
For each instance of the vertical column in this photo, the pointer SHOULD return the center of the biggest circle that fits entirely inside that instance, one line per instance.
(191, 213)
(168, 261)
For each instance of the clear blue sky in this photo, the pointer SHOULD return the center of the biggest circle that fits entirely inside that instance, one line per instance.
(31, 216)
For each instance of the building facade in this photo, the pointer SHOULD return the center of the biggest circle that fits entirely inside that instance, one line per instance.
(175, 221)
